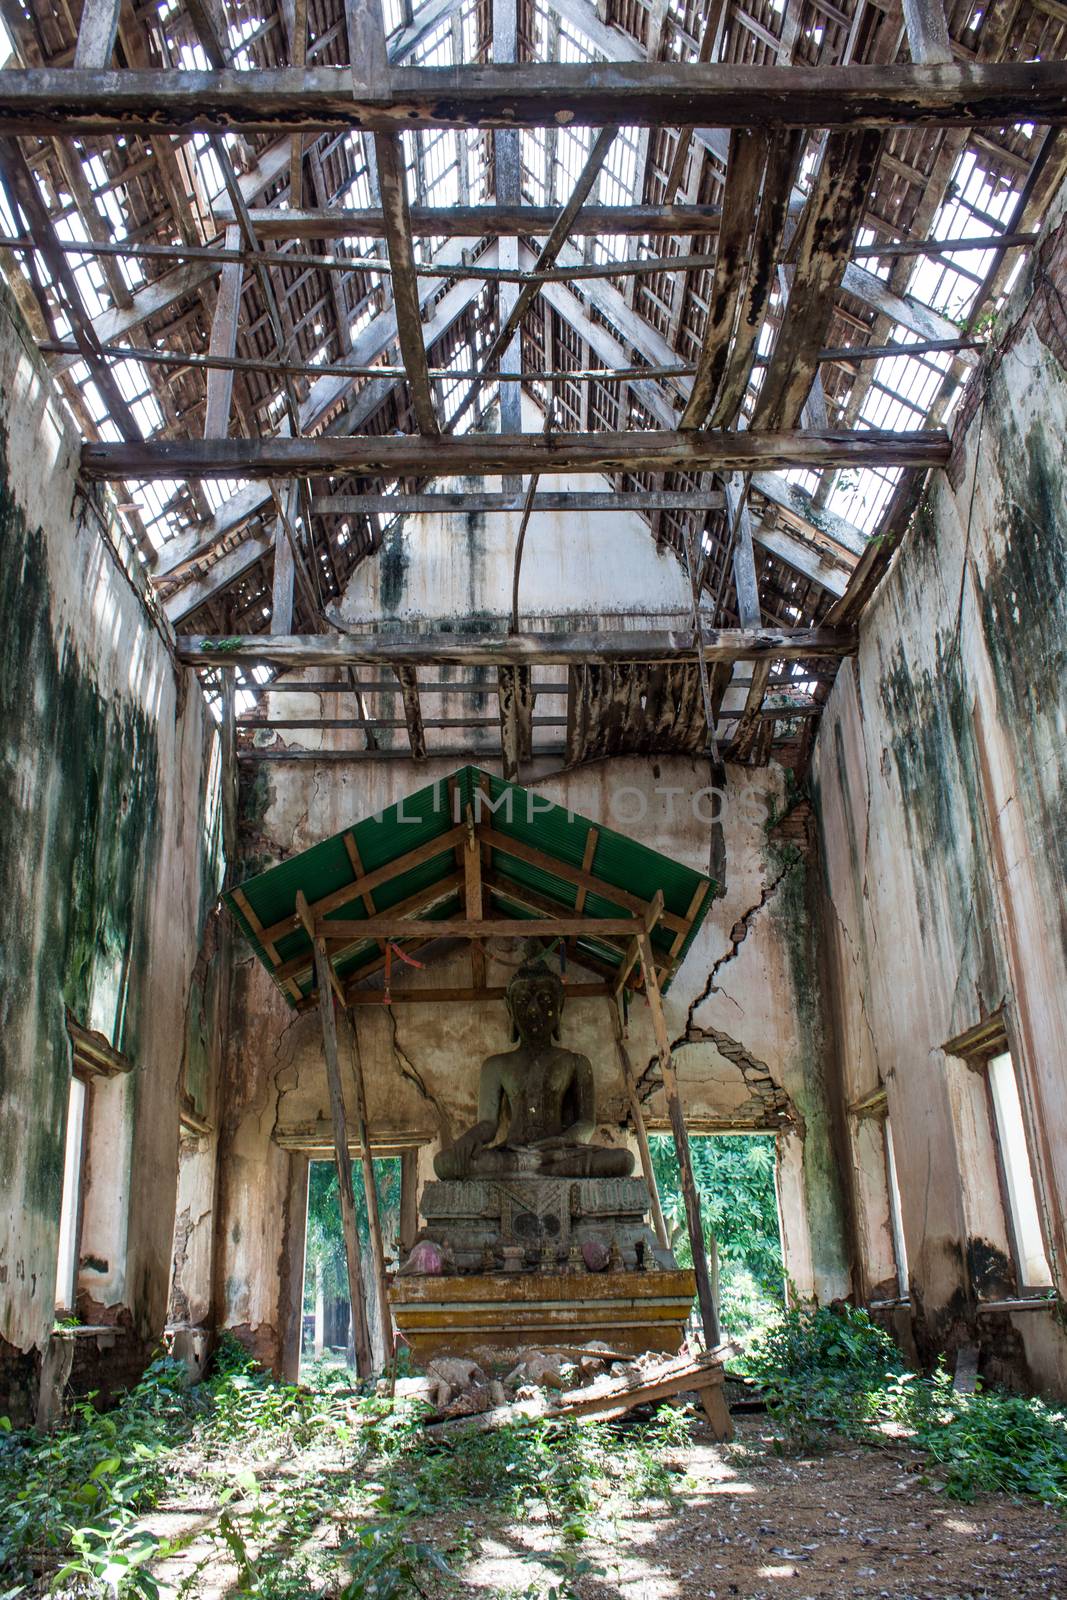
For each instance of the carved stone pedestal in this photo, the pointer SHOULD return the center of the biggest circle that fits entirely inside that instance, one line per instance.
(540, 1223)
(516, 1274)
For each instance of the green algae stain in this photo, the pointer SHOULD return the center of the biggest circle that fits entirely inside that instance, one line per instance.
(393, 567)
(796, 922)
(78, 855)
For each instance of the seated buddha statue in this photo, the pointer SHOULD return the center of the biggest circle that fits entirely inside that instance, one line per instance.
(548, 1093)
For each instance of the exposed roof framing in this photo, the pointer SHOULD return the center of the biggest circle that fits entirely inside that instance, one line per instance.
(249, 262)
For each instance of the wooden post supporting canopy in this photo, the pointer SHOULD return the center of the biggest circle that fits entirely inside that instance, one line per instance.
(353, 1260)
(708, 1313)
(374, 1218)
(638, 1114)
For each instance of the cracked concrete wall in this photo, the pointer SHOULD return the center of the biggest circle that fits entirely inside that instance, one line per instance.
(107, 872)
(744, 1012)
(940, 778)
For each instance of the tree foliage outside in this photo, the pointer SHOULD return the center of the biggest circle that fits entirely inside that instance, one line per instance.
(735, 1181)
(325, 1242)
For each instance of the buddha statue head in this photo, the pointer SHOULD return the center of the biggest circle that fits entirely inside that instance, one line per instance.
(535, 998)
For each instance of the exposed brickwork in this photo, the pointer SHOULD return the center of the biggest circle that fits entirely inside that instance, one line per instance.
(20, 1375)
(106, 1364)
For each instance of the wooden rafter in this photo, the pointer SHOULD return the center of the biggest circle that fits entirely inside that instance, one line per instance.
(47, 100)
(490, 454)
(547, 649)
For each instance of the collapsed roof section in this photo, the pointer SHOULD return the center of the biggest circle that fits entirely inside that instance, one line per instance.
(729, 228)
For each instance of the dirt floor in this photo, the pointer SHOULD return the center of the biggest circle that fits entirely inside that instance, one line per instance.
(743, 1521)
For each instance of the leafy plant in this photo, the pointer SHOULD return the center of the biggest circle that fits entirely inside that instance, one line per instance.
(833, 1369)
(823, 1368)
(992, 1441)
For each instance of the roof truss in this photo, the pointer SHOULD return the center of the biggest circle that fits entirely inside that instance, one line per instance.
(772, 235)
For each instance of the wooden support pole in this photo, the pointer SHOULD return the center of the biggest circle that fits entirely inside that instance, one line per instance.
(374, 1218)
(640, 1130)
(409, 1199)
(349, 1230)
(228, 738)
(472, 895)
(708, 1313)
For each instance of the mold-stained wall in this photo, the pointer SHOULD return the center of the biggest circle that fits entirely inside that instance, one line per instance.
(108, 874)
(744, 1011)
(940, 777)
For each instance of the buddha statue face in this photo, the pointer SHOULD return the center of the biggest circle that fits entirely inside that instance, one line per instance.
(535, 1000)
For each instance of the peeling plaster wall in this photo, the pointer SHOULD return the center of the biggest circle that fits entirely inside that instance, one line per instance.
(107, 878)
(743, 1013)
(940, 778)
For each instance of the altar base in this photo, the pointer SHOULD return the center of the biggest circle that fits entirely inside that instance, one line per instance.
(629, 1311)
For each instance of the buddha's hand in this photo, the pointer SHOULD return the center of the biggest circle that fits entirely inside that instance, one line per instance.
(466, 1148)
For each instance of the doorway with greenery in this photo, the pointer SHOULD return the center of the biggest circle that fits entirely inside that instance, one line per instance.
(327, 1333)
(735, 1177)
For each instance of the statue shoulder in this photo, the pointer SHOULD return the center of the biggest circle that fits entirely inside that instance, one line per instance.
(498, 1061)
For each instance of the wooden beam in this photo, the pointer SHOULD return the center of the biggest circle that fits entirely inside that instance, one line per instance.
(387, 925)
(497, 221)
(409, 1200)
(477, 454)
(392, 178)
(825, 239)
(637, 1112)
(649, 912)
(782, 161)
(462, 993)
(747, 727)
(746, 583)
(223, 343)
(323, 397)
(709, 1315)
(445, 504)
(24, 188)
(228, 753)
(749, 149)
(50, 100)
(281, 614)
(643, 337)
(408, 679)
(545, 649)
(472, 895)
(927, 30)
(370, 1189)
(366, 885)
(546, 257)
(97, 30)
(349, 1229)
(516, 697)
(337, 949)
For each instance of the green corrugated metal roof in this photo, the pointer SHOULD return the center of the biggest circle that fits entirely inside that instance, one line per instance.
(514, 814)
